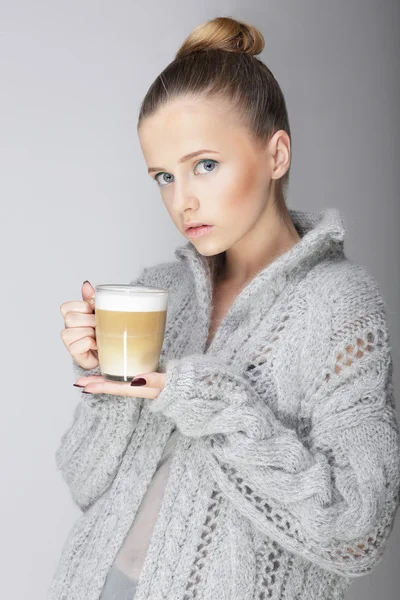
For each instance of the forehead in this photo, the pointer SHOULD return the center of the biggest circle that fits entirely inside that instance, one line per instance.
(182, 126)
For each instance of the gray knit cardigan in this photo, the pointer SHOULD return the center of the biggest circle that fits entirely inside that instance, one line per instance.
(286, 475)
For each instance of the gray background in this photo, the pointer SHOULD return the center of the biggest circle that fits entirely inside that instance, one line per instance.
(77, 203)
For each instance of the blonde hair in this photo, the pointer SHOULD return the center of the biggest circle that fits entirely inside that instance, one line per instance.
(217, 60)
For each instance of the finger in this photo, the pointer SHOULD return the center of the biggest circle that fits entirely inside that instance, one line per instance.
(79, 319)
(85, 380)
(122, 389)
(78, 306)
(77, 334)
(153, 379)
(72, 334)
(81, 348)
(88, 291)
(157, 379)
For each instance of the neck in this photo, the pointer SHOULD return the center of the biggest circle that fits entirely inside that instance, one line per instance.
(273, 235)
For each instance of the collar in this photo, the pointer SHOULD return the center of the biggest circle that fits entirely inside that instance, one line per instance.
(322, 237)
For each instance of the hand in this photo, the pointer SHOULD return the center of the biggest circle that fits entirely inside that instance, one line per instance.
(97, 384)
(79, 335)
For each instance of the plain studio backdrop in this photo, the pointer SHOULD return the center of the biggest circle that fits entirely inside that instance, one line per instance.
(77, 203)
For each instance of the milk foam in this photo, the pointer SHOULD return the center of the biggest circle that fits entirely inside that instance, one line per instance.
(135, 299)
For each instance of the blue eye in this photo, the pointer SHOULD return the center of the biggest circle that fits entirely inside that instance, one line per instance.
(158, 174)
(205, 161)
(208, 161)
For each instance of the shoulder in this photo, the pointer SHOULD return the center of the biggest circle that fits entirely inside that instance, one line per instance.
(346, 290)
(345, 312)
(346, 329)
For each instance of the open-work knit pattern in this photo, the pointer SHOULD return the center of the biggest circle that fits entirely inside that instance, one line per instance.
(286, 475)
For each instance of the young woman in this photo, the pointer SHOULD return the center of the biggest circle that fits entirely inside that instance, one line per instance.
(261, 460)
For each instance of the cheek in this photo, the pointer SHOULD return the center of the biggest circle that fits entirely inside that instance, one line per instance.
(243, 191)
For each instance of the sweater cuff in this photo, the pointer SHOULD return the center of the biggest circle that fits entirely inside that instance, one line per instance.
(80, 372)
(202, 397)
(178, 388)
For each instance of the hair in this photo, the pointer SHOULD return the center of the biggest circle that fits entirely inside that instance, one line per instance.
(218, 60)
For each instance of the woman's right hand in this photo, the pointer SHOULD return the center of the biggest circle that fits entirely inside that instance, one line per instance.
(79, 335)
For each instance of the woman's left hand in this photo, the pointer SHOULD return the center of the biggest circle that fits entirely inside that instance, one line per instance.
(97, 384)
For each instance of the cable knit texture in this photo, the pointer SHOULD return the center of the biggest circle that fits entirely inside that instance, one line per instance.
(285, 479)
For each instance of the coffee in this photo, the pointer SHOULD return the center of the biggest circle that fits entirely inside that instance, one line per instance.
(130, 327)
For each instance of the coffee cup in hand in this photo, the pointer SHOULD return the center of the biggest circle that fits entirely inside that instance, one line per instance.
(130, 328)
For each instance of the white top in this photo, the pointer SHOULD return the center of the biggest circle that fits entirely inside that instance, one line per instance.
(132, 553)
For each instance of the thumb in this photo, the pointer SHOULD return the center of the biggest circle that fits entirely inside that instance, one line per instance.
(88, 292)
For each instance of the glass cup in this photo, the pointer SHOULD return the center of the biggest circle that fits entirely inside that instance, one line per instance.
(130, 327)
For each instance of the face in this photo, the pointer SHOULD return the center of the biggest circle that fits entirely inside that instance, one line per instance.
(227, 185)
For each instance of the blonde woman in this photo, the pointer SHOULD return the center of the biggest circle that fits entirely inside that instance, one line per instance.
(261, 460)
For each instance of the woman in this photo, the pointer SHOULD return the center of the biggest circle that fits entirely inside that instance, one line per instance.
(262, 459)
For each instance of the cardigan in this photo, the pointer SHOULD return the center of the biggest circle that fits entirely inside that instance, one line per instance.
(131, 555)
(285, 478)
(122, 578)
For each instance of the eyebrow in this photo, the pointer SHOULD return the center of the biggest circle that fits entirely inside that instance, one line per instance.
(184, 159)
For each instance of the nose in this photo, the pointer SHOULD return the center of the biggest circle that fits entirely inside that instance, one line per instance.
(184, 196)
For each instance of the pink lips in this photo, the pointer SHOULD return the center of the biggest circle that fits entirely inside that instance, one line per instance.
(195, 232)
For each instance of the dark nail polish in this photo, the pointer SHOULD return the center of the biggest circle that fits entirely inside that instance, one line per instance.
(86, 392)
(138, 381)
(86, 281)
(77, 385)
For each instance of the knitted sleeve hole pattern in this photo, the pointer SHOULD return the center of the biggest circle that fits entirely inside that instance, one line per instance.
(353, 352)
(350, 357)
(350, 363)
(360, 549)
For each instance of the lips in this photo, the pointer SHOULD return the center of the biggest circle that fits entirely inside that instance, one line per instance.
(198, 231)
(193, 225)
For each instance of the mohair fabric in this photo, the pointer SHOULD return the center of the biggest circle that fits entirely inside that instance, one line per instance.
(285, 478)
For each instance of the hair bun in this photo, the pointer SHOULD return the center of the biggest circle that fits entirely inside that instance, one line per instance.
(223, 33)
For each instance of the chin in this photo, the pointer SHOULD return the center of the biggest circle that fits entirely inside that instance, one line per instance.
(210, 251)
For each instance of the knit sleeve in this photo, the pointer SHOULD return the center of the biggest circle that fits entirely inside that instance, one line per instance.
(328, 489)
(91, 450)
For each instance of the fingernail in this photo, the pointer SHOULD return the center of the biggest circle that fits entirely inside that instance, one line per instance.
(86, 281)
(77, 385)
(138, 381)
(86, 392)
